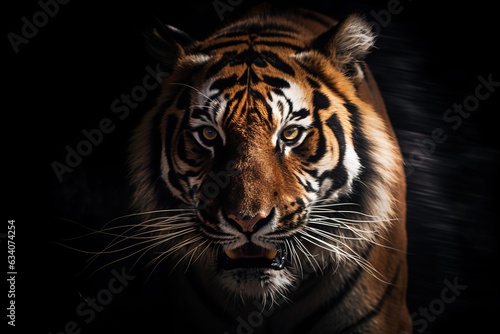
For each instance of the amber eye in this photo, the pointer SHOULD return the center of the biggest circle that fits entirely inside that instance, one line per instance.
(209, 133)
(291, 133)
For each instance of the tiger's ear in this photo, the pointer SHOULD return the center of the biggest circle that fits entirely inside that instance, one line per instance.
(166, 43)
(347, 44)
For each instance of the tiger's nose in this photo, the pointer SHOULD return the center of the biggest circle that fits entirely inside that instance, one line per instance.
(248, 223)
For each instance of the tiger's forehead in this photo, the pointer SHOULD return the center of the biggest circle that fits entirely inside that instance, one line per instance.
(252, 84)
(261, 103)
(250, 68)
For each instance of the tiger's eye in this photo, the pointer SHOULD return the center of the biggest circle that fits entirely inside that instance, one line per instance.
(290, 133)
(209, 133)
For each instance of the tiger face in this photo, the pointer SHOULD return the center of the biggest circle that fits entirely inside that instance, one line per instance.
(267, 153)
(266, 160)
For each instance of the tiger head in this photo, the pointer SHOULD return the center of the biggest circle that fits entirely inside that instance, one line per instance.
(261, 161)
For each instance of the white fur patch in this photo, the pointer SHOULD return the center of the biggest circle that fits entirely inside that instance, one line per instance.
(283, 114)
(216, 110)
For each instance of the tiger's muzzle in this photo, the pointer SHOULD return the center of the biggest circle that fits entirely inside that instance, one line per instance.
(253, 253)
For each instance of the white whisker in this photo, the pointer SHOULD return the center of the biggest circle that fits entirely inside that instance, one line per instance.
(153, 228)
(362, 234)
(324, 210)
(311, 258)
(174, 249)
(342, 253)
(329, 204)
(195, 89)
(159, 240)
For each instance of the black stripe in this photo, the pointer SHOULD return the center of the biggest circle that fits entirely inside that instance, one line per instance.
(334, 124)
(334, 301)
(279, 34)
(299, 114)
(323, 77)
(231, 107)
(312, 172)
(313, 83)
(320, 101)
(289, 216)
(249, 57)
(339, 176)
(252, 28)
(219, 65)
(376, 310)
(362, 148)
(200, 113)
(269, 113)
(273, 33)
(278, 63)
(339, 173)
(276, 82)
(184, 98)
(307, 185)
(172, 122)
(222, 45)
(183, 154)
(223, 83)
(243, 79)
(295, 47)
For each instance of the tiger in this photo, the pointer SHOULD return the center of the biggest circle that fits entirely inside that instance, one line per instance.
(270, 178)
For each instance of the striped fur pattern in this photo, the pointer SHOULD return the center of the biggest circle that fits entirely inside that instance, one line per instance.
(268, 173)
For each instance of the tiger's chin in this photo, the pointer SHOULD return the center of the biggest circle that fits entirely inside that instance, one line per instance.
(265, 285)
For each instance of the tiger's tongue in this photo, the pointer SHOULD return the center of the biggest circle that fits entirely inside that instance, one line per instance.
(251, 251)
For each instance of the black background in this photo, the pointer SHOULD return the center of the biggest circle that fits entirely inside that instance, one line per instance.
(428, 58)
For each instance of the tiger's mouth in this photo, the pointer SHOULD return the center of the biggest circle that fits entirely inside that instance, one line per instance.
(252, 256)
